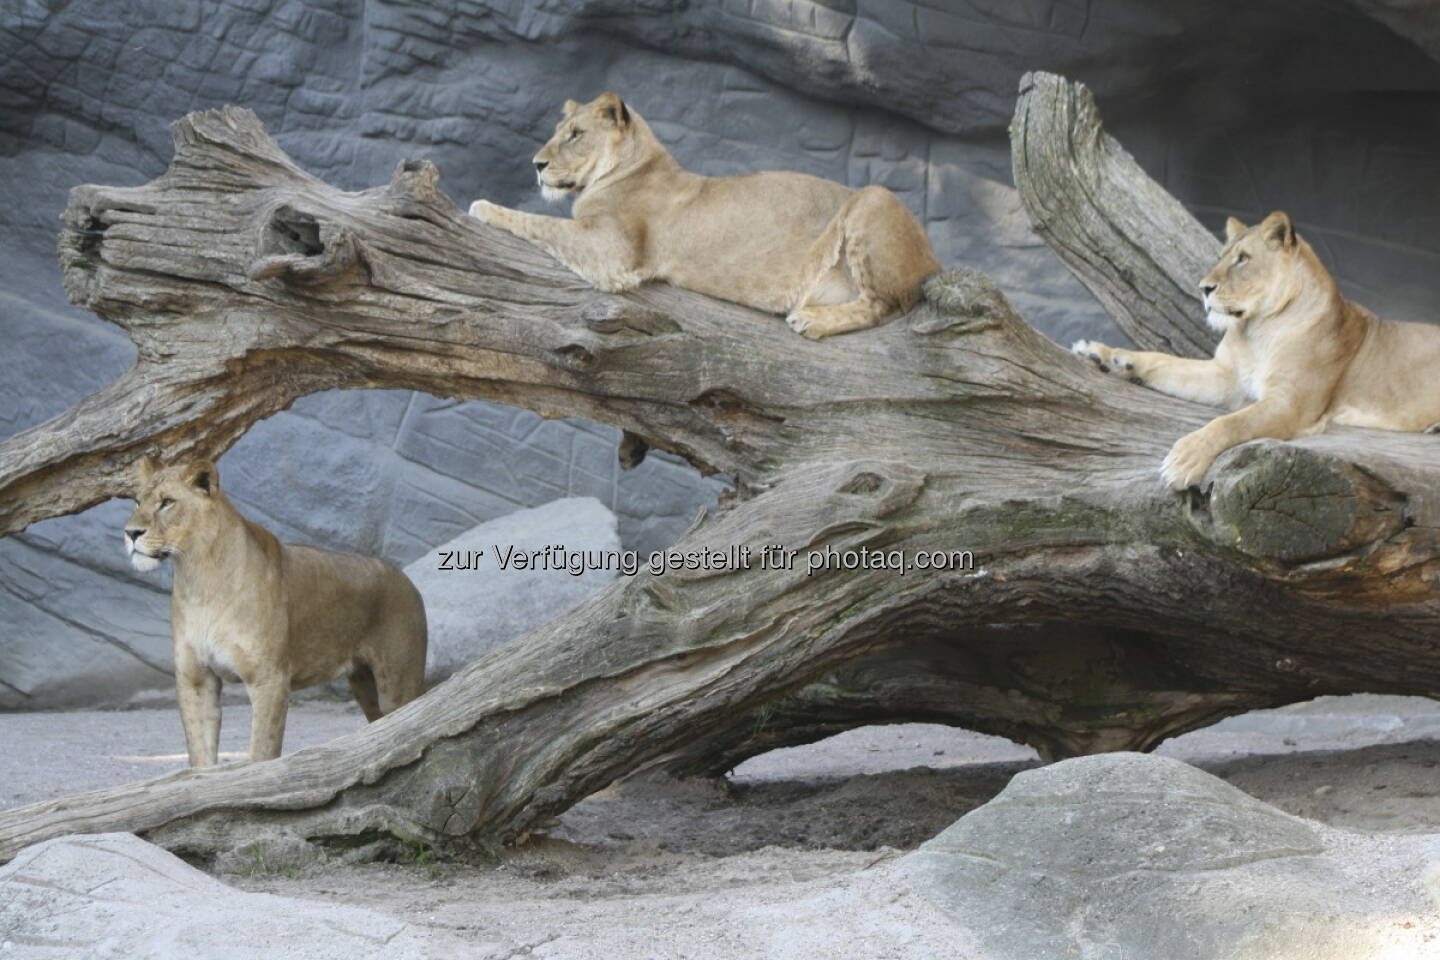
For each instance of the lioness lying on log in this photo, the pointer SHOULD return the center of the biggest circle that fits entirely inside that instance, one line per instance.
(274, 616)
(832, 259)
(1294, 346)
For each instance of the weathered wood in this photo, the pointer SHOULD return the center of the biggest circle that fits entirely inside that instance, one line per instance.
(1102, 611)
(1129, 241)
(1077, 688)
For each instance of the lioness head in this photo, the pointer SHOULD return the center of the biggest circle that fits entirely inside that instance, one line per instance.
(171, 506)
(1258, 273)
(589, 142)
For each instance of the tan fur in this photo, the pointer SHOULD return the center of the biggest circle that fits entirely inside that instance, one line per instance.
(1293, 346)
(274, 616)
(831, 258)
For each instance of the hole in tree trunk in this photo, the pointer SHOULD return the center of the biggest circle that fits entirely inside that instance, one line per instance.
(293, 231)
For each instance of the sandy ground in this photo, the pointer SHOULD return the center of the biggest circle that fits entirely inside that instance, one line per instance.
(778, 860)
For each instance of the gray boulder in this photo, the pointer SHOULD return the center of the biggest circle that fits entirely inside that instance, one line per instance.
(475, 601)
(114, 895)
(1125, 856)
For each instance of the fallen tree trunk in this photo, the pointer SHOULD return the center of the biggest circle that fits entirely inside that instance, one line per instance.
(1101, 611)
(1132, 244)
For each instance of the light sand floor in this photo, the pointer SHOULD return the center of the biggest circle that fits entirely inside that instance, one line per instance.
(755, 864)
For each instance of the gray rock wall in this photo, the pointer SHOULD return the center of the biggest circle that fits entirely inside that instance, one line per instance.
(1330, 109)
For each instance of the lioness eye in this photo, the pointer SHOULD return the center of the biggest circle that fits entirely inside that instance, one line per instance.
(1241, 259)
(165, 503)
(575, 134)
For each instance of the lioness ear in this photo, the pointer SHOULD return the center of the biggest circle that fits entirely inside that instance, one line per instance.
(1233, 228)
(203, 476)
(613, 109)
(571, 106)
(1279, 232)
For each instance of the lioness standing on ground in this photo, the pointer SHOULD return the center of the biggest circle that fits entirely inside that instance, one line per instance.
(1294, 346)
(274, 616)
(832, 259)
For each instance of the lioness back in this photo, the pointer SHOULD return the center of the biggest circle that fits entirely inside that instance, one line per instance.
(1390, 384)
(780, 214)
(334, 598)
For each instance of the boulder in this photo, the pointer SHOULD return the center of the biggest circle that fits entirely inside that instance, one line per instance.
(1125, 856)
(114, 895)
(486, 587)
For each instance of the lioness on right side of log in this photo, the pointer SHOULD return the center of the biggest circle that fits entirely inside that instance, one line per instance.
(1302, 353)
(276, 616)
(831, 258)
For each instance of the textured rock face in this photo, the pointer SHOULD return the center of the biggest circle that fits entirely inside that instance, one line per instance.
(474, 604)
(1126, 856)
(1331, 115)
(154, 904)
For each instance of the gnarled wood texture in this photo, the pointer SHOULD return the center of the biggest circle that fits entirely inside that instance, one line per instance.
(1132, 244)
(1101, 612)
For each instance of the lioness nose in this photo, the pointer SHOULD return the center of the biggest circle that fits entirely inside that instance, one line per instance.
(1207, 288)
(540, 165)
(134, 533)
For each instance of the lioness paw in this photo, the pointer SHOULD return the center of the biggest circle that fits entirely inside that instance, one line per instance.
(1108, 359)
(486, 212)
(1090, 350)
(1185, 465)
(799, 321)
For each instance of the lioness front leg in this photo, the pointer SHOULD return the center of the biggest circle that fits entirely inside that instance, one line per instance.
(269, 706)
(198, 691)
(1193, 453)
(595, 248)
(1204, 381)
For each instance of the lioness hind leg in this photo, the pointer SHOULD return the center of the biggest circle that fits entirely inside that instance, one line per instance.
(362, 688)
(394, 654)
(817, 322)
(886, 248)
(400, 671)
(399, 687)
(885, 255)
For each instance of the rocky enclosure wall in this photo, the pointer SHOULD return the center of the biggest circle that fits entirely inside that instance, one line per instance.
(1330, 109)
